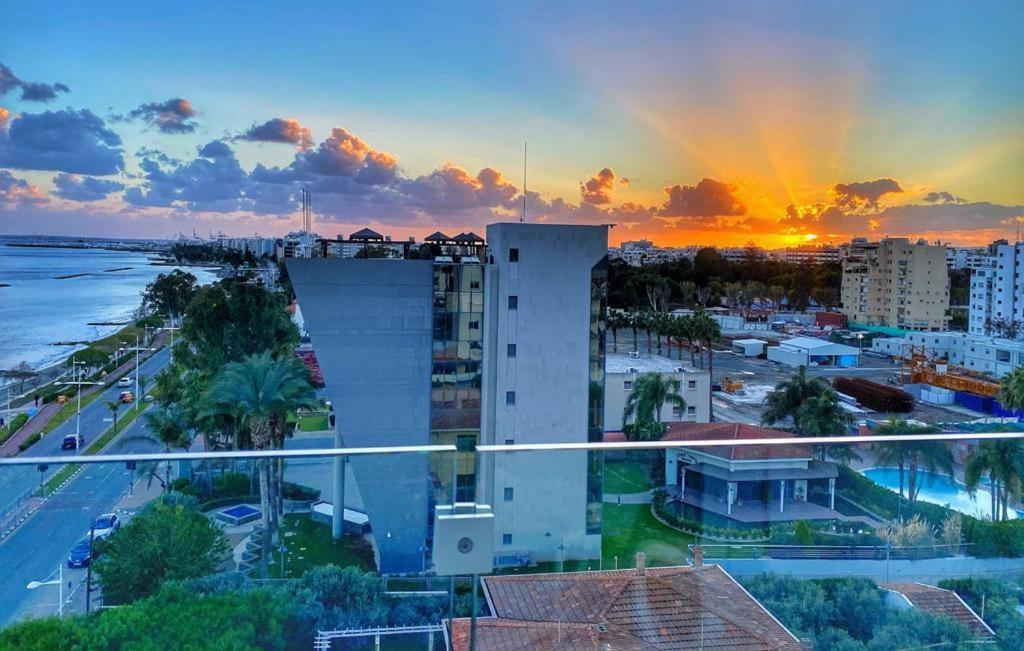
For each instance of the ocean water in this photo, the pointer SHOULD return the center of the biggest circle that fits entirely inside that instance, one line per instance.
(38, 309)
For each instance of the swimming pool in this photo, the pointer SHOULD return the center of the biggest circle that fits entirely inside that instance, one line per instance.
(939, 489)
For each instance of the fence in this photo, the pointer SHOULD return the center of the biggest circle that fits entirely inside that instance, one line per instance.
(829, 552)
(15, 512)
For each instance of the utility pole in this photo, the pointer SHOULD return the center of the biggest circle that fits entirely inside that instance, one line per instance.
(79, 383)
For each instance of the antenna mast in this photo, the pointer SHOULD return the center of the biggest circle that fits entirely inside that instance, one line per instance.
(522, 217)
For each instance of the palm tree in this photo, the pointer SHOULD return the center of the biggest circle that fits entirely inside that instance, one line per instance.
(1011, 391)
(921, 452)
(707, 331)
(260, 391)
(635, 323)
(167, 428)
(788, 397)
(617, 321)
(114, 406)
(1003, 461)
(646, 399)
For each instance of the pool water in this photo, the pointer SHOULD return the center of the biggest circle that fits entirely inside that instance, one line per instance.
(241, 511)
(939, 489)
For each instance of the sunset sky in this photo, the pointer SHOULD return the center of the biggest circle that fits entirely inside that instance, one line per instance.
(682, 122)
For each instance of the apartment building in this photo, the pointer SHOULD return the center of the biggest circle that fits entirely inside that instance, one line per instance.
(501, 344)
(812, 254)
(997, 294)
(990, 355)
(896, 283)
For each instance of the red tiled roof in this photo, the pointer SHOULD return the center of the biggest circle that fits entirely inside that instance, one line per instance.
(667, 608)
(937, 601)
(737, 432)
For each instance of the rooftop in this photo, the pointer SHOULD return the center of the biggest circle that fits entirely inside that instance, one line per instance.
(616, 363)
(663, 608)
(937, 601)
(735, 432)
(813, 343)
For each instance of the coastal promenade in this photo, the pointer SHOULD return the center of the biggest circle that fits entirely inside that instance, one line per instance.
(49, 411)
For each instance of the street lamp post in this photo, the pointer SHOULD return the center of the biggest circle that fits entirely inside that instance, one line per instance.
(32, 585)
(283, 551)
(79, 383)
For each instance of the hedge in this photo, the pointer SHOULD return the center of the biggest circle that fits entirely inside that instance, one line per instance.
(30, 441)
(298, 492)
(8, 430)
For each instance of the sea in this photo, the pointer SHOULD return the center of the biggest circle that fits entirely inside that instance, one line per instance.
(60, 294)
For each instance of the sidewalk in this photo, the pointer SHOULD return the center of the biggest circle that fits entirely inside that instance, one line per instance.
(47, 411)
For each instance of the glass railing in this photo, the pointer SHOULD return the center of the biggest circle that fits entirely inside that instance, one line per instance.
(736, 540)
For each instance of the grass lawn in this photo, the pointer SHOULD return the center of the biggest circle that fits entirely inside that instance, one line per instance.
(630, 528)
(626, 477)
(313, 423)
(310, 544)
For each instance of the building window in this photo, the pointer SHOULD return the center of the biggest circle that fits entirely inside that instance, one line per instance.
(513, 302)
(627, 384)
(508, 493)
(506, 539)
(513, 255)
(692, 384)
(511, 350)
(510, 441)
(676, 410)
(691, 411)
(510, 397)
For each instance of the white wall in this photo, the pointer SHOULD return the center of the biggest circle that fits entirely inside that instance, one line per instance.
(615, 395)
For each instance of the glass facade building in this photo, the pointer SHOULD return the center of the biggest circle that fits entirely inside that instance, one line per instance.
(455, 382)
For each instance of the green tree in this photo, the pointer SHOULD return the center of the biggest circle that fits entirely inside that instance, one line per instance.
(707, 331)
(649, 394)
(919, 453)
(260, 391)
(168, 428)
(163, 541)
(177, 618)
(229, 320)
(789, 398)
(41, 634)
(617, 320)
(1002, 460)
(21, 372)
(169, 294)
(1011, 390)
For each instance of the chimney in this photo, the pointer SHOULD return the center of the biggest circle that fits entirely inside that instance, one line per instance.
(698, 556)
(641, 564)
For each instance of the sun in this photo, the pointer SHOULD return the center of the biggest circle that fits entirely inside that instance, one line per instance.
(810, 237)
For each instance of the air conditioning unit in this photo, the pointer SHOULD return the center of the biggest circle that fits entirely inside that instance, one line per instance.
(463, 539)
(634, 353)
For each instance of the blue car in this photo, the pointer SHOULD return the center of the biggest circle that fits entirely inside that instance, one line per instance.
(80, 555)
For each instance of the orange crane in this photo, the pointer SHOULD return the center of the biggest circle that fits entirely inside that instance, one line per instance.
(924, 370)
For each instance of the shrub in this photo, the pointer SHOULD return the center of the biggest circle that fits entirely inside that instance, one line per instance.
(298, 492)
(184, 485)
(30, 441)
(231, 484)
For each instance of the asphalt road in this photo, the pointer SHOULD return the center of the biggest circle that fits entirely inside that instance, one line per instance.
(35, 550)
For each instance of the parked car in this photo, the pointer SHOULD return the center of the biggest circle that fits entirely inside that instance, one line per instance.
(126, 381)
(105, 525)
(71, 442)
(81, 554)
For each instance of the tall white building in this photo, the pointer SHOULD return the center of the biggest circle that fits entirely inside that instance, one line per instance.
(997, 294)
(502, 344)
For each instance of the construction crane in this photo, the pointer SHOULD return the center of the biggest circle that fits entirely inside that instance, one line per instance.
(924, 369)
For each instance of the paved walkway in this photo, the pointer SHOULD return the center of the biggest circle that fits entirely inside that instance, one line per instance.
(628, 498)
(48, 411)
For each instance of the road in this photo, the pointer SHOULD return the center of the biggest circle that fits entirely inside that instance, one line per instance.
(34, 551)
(14, 482)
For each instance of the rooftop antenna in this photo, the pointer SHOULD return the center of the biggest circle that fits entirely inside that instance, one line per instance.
(522, 217)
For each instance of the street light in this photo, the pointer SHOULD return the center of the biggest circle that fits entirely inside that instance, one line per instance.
(32, 585)
(79, 383)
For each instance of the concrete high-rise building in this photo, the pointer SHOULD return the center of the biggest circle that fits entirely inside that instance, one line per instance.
(895, 283)
(997, 294)
(502, 346)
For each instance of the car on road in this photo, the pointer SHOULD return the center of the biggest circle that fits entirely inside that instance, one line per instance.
(126, 381)
(126, 396)
(72, 442)
(81, 554)
(105, 525)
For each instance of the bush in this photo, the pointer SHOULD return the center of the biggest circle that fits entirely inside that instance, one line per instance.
(231, 484)
(30, 441)
(184, 485)
(298, 492)
(8, 430)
